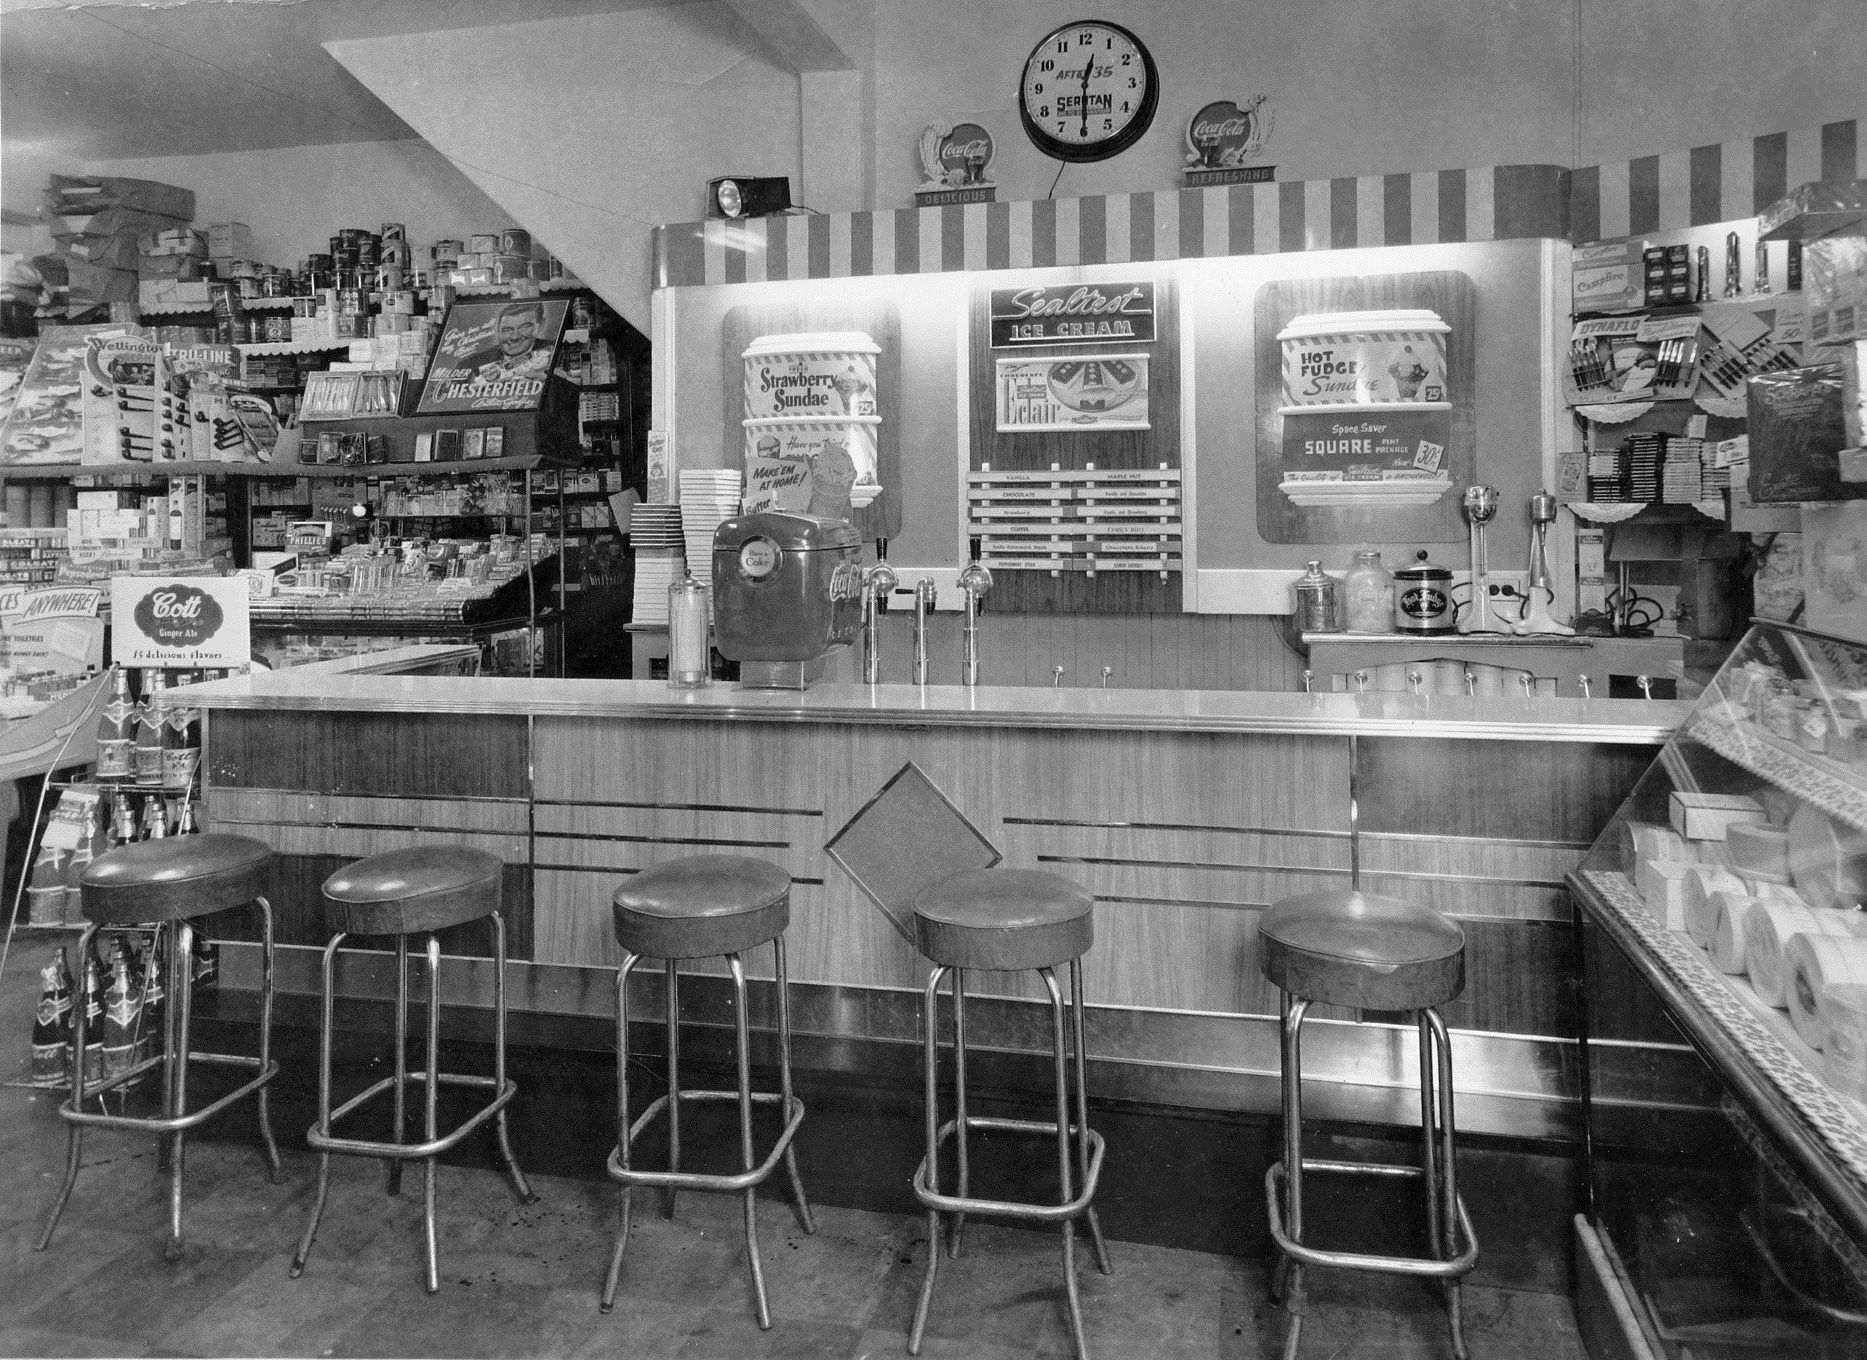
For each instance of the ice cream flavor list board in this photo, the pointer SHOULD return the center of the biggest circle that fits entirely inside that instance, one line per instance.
(1089, 520)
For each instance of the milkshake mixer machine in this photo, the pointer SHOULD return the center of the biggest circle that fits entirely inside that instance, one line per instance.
(1480, 506)
(1536, 616)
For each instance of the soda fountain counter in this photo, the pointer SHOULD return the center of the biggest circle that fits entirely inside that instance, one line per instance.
(1185, 812)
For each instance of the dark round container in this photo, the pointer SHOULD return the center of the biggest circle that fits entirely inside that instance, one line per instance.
(1423, 599)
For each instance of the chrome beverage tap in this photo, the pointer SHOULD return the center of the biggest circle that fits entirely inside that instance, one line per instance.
(878, 583)
(974, 580)
(923, 606)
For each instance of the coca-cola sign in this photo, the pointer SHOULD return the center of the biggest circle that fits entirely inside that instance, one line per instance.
(1224, 137)
(1073, 313)
(179, 615)
(955, 156)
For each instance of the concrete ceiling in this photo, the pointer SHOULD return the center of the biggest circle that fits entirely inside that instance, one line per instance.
(109, 81)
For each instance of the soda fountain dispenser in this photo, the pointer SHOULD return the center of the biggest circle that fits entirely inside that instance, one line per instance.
(786, 589)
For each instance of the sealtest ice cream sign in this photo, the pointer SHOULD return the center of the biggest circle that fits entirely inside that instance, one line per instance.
(198, 622)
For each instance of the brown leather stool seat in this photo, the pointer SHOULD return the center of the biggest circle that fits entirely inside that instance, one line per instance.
(1369, 953)
(413, 891)
(1362, 950)
(1003, 919)
(167, 884)
(177, 878)
(416, 891)
(702, 906)
(705, 906)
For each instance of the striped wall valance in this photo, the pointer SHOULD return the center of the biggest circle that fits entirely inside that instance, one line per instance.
(1495, 203)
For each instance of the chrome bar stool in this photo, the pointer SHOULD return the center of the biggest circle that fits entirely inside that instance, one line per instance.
(705, 906)
(1005, 920)
(171, 883)
(416, 891)
(1371, 953)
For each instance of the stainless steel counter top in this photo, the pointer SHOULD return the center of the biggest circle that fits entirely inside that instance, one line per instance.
(1615, 721)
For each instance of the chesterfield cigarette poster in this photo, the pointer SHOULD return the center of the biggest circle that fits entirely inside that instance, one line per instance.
(493, 356)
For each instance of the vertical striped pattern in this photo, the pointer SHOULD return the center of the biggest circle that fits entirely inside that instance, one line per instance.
(1713, 183)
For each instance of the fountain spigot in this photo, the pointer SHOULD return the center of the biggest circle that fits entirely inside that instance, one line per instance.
(878, 583)
(923, 606)
(974, 580)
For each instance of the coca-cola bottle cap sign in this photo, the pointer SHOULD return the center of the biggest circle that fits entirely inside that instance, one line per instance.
(179, 615)
(1224, 135)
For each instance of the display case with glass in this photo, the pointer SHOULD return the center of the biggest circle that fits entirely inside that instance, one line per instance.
(1724, 1019)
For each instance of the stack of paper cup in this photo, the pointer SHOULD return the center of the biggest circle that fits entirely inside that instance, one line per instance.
(1772, 926)
(1729, 930)
(1702, 882)
(1844, 1006)
(1811, 965)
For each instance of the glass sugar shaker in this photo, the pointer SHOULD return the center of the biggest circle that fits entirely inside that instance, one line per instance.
(687, 634)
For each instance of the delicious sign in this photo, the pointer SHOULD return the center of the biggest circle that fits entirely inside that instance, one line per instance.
(1073, 313)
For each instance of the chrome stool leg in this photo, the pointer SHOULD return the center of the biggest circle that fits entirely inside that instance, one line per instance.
(624, 1134)
(1450, 1210)
(1082, 1110)
(326, 1011)
(960, 1121)
(674, 1084)
(430, 1102)
(520, 1185)
(804, 1218)
(1059, 1064)
(399, 1094)
(930, 1039)
(74, 1132)
(1294, 1299)
(275, 1169)
(183, 1001)
(742, 1044)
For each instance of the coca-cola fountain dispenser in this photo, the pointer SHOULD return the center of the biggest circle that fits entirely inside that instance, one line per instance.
(786, 589)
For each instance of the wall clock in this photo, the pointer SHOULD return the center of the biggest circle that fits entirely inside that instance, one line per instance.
(1089, 91)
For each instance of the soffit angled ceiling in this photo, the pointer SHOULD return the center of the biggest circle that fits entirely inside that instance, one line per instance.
(107, 81)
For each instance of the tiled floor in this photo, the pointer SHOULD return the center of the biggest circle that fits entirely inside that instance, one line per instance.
(521, 1281)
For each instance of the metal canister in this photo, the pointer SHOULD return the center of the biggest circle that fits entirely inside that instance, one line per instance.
(1316, 601)
(515, 241)
(1423, 599)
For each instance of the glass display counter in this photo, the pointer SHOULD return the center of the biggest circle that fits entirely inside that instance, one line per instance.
(1724, 966)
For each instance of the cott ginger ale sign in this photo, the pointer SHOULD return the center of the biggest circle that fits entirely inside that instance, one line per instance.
(194, 623)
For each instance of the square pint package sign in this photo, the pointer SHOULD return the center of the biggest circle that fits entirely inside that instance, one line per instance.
(197, 622)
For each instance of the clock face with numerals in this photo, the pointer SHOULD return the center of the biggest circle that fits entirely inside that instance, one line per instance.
(1089, 91)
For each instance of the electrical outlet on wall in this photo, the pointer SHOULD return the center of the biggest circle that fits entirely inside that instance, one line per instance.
(1505, 585)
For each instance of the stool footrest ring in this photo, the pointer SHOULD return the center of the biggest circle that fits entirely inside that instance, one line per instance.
(320, 1137)
(1000, 1208)
(1388, 1265)
(717, 1182)
(156, 1124)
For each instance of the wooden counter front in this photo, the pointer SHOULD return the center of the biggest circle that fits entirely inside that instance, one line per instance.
(1185, 813)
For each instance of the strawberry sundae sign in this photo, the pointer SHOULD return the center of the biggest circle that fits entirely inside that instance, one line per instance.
(195, 622)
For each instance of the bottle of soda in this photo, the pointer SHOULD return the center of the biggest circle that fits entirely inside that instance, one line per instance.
(150, 723)
(185, 824)
(121, 1008)
(123, 828)
(206, 963)
(45, 890)
(116, 731)
(93, 1022)
(181, 748)
(155, 817)
(51, 1025)
(87, 850)
(155, 1000)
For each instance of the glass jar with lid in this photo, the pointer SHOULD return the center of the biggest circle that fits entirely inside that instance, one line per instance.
(1368, 591)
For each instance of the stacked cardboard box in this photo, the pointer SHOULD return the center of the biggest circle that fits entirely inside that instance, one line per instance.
(98, 224)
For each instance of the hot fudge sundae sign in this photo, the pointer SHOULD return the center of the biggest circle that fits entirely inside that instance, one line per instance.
(1222, 137)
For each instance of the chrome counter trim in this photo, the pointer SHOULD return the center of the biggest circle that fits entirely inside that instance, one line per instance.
(1518, 1085)
(1444, 717)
